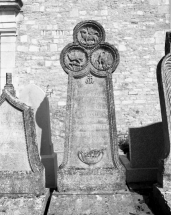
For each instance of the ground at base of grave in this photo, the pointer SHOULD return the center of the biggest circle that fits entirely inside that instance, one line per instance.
(118, 203)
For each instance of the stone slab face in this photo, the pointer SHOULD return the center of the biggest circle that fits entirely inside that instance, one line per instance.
(90, 153)
(90, 122)
(35, 97)
(146, 146)
(13, 151)
(20, 170)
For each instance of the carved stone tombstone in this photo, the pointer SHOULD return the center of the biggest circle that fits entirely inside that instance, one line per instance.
(162, 192)
(21, 172)
(91, 153)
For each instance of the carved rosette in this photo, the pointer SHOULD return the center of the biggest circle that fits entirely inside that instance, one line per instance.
(89, 52)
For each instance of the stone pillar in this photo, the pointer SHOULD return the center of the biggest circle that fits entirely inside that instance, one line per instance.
(8, 31)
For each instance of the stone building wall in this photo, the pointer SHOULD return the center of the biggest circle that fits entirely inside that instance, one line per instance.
(136, 27)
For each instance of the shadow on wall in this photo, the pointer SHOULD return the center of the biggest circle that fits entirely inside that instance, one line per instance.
(48, 157)
(35, 97)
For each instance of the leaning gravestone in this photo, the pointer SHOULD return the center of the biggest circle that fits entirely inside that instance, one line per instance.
(91, 164)
(35, 97)
(21, 172)
(162, 192)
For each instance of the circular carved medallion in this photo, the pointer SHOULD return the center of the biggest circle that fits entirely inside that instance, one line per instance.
(89, 34)
(102, 59)
(75, 59)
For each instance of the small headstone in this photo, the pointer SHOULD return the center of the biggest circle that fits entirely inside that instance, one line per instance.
(146, 146)
(20, 168)
(90, 153)
(35, 97)
(145, 151)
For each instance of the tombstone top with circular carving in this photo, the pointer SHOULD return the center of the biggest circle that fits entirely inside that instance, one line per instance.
(88, 33)
(89, 53)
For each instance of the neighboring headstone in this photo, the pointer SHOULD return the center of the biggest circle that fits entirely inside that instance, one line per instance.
(35, 97)
(21, 172)
(162, 192)
(145, 150)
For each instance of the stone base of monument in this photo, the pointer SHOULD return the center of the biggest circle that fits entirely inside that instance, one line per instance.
(90, 180)
(118, 203)
(138, 174)
(25, 204)
(162, 200)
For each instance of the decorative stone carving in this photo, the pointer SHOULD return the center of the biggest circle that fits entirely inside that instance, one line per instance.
(92, 157)
(102, 59)
(89, 34)
(75, 59)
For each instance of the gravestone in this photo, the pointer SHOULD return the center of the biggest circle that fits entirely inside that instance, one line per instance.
(91, 179)
(91, 159)
(162, 191)
(35, 97)
(21, 172)
(145, 150)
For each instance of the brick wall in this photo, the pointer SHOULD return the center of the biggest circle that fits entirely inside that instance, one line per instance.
(136, 27)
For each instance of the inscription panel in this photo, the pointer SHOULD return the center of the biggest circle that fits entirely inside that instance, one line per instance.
(13, 151)
(90, 127)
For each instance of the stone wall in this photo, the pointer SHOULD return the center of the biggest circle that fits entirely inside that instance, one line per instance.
(136, 27)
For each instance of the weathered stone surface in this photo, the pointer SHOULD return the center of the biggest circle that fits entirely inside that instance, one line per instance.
(91, 154)
(98, 204)
(23, 204)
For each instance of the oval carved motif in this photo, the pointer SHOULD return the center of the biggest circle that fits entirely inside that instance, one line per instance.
(92, 157)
